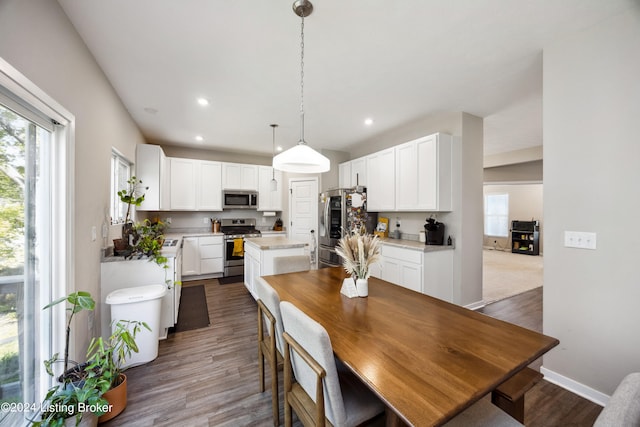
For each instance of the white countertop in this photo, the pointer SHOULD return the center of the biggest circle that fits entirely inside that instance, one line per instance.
(274, 242)
(415, 245)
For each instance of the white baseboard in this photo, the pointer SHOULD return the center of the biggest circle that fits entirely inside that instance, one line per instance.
(475, 305)
(575, 387)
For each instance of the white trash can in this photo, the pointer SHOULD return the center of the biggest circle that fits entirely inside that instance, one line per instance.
(141, 303)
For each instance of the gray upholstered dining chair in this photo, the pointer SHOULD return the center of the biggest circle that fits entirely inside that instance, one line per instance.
(322, 390)
(291, 264)
(272, 350)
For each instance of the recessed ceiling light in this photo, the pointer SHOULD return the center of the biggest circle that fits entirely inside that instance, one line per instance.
(279, 148)
(368, 121)
(199, 138)
(203, 101)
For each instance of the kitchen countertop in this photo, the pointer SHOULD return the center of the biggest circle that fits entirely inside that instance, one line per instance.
(274, 242)
(415, 245)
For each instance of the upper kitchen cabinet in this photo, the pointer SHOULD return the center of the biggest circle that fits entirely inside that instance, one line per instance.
(381, 181)
(352, 173)
(152, 168)
(237, 176)
(210, 186)
(269, 200)
(423, 174)
(196, 185)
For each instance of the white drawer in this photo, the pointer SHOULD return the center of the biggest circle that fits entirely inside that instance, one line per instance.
(210, 251)
(407, 255)
(210, 240)
(212, 265)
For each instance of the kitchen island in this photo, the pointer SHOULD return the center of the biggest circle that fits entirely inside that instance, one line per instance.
(260, 253)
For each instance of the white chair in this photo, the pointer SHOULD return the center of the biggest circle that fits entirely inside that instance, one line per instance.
(272, 350)
(291, 264)
(321, 389)
(623, 408)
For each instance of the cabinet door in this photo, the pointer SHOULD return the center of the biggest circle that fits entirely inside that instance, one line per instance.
(210, 186)
(358, 172)
(411, 276)
(249, 177)
(190, 256)
(391, 270)
(344, 175)
(231, 176)
(150, 168)
(406, 177)
(438, 274)
(427, 173)
(183, 184)
(381, 181)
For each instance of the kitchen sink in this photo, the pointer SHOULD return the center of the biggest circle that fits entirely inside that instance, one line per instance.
(170, 242)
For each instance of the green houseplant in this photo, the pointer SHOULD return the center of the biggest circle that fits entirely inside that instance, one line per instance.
(131, 195)
(77, 395)
(108, 356)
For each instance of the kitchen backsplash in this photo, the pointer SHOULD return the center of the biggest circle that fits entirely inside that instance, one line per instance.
(412, 223)
(196, 220)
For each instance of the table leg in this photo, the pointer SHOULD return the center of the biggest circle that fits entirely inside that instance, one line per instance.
(392, 419)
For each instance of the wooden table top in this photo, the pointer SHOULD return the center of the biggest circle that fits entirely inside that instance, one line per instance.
(425, 358)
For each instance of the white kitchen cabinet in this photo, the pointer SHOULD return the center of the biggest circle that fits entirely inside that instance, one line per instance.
(238, 176)
(353, 173)
(402, 267)
(344, 175)
(429, 272)
(202, 256)
(269, 200)
(381, 181)
(211, 254)
(119, 273)
(423, 174)
(184, 179)
(190, 256)
(210, 189)
(196, 185)
(153, 169)
(259, 256)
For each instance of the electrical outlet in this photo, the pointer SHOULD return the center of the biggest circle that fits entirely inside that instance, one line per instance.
(94, 233)
(398, 221)
(167, 220)
(205, 220)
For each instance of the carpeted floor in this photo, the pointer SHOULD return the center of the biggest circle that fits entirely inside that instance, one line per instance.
(193, 312)
(505, 274)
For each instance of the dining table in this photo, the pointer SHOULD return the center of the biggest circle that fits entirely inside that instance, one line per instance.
(425, 358)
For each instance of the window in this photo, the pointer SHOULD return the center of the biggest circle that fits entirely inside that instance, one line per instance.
(496, 215)
(35, 221)
(120, 173)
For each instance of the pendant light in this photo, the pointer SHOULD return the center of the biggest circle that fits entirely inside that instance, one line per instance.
(301, 158)
(274, 183)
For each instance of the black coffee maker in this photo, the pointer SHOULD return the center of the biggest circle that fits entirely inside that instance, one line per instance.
(434, 232)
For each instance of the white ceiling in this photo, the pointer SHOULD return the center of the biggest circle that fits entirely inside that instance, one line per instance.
(393, 61)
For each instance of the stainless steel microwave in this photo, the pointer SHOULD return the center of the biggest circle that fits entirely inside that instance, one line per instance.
(239, 199)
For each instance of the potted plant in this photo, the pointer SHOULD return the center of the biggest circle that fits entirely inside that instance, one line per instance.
(107, 358)
(358, 252)
(132, 195)
(77, 395)
(148, 240)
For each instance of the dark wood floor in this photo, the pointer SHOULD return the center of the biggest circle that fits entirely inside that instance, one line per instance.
(209, 377)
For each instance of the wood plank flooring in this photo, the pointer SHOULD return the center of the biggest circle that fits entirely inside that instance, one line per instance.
(209, 376)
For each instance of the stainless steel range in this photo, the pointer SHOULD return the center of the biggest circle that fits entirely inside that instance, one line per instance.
(235, 231)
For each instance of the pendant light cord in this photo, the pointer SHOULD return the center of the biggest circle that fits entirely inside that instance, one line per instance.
(302, 141)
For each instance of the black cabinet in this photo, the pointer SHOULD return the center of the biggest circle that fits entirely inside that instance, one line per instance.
(525, 237)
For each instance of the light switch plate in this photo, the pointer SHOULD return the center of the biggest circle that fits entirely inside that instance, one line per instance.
(580, 240)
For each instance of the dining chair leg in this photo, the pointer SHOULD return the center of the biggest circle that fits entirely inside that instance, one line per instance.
(274, 389)
(287, 386)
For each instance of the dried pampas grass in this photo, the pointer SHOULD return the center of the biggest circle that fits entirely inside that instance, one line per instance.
(359, 252)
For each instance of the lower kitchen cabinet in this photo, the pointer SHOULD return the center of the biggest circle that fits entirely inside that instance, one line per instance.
(202, 257)
(428, 272)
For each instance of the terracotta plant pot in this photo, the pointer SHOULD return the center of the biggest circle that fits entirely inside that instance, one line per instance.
(117, 397)
(88, 420)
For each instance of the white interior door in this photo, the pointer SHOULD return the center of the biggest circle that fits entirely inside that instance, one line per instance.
(303, 208)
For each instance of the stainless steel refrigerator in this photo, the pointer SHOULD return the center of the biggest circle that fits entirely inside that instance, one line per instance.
(342, 210)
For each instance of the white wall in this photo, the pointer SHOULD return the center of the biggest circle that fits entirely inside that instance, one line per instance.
(38, 40)
(591, 183)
